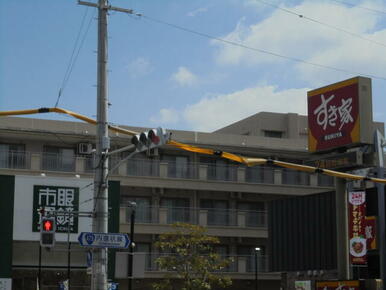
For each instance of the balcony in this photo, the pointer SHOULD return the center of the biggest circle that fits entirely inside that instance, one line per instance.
(241, 267)
(201, 216)
(14, 159)
(239, 264)
(165, 170)
(219, 222)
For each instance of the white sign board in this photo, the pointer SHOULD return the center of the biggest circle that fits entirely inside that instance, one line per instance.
(104, 240)
(24, 199)
(5, 283)
(302, 285)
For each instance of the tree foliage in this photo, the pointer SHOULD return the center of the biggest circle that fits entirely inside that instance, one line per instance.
(190, 259)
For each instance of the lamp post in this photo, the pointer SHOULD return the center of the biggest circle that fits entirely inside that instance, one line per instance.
(257, 251)
(133, 207)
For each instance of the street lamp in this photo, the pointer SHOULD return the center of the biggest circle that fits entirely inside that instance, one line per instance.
(133, 207)
(257, 251)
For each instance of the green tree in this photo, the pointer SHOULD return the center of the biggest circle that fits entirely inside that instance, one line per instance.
(191, 260)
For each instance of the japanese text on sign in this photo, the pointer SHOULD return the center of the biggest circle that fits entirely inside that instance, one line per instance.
(60, 199)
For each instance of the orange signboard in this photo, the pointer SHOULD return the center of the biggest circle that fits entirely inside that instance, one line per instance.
(334, 285)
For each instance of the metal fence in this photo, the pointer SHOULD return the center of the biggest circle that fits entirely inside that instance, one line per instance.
(58, 162)
(238, 264)
(208, 216)
(172, 169)
(14, 159)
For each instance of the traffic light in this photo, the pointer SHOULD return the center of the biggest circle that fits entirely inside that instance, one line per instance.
(150, 139)
(47, 232)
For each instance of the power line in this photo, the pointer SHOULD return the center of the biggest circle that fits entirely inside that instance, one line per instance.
(360, 6)
(74, 54)
(322, 23)
(294, 59)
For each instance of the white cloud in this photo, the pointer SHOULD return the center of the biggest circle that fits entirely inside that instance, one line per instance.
(197, 11)
(184, 77)
(289, 35)
(215, 112)
(166, 116)
(139, 67)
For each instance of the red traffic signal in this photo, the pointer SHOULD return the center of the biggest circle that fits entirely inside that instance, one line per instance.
(48, 225)
(150, 139)
(47, 232)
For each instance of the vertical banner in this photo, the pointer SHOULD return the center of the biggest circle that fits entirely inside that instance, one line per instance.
(357, 227)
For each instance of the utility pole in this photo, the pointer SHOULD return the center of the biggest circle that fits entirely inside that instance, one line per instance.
(100, 215)
(100, 219)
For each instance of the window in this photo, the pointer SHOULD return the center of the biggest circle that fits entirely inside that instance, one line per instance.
(273, 134)
(325, 180)
(178, 209)
(12, 156)
(141, 165)
(143, 210)
(59, 159)
(295, 177)
(259, 174)
(218, 213)
(144, 248)
(220, 169)
(250, 253)
(255, 213)
(177, 166)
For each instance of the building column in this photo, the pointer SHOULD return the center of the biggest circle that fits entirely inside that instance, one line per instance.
(241, 174)
(277, 176)
(36, 161)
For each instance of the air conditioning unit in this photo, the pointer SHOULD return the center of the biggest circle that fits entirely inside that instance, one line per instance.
(84, 148)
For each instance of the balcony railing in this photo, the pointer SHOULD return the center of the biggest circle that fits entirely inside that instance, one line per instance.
(202, 216)
(58, 162)
(14, 159)
(164, 169)
(238, 264)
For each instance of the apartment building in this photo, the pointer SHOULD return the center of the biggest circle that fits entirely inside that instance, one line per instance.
(168, 185)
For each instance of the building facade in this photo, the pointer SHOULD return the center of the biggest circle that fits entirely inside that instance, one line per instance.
(168, 185)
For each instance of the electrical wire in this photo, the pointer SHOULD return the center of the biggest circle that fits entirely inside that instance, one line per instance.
(74, 54)
(234, 43)
(302, 16)
(360, 6)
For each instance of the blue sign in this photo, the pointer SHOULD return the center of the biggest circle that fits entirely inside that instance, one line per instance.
(113, 286)
(104, 240)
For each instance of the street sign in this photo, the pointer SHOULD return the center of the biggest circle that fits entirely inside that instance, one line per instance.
(112, 286)
(104, 240)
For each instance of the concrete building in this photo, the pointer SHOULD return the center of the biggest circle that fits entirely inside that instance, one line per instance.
(168, 185)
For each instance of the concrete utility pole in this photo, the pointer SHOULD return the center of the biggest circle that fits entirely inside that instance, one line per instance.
(100, 217)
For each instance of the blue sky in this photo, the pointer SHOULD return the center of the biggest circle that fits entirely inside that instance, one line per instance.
(162, 76)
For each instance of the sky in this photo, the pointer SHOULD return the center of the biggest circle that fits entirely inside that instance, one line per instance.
(189, 65)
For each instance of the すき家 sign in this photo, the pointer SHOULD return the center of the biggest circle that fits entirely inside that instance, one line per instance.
(340, 115)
